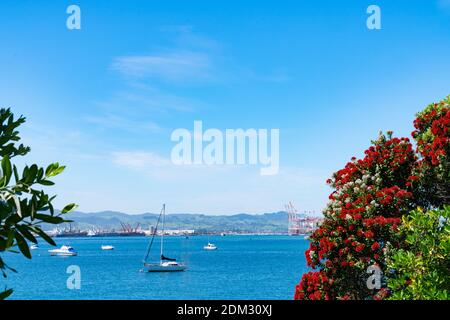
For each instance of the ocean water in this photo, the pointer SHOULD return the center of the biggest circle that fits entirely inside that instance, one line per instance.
(243, 267)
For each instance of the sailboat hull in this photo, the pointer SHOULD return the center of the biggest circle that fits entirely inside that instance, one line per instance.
(164, 268)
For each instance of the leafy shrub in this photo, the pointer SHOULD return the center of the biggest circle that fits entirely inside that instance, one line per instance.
(421, 270)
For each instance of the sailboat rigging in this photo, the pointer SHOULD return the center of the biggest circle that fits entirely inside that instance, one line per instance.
(165, 264)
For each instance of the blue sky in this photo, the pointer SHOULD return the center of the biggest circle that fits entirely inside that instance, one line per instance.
(104, 100)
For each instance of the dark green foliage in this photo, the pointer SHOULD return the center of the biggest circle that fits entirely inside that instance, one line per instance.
(23, 204)
(421, 270)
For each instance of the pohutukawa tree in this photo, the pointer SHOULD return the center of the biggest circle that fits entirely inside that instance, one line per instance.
(370, 196)
(362, 216)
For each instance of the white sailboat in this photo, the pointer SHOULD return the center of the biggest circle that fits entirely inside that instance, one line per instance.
(165, 264)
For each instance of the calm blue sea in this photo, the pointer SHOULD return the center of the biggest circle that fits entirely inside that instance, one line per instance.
(243, 267)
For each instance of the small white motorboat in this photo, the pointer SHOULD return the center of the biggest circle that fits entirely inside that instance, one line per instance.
(63, 251)
(210, 246)
(107, 247)
(34, 247)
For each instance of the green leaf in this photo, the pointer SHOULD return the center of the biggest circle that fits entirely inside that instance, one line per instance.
(69, 208)
(7, 170)
(40, 174)
(27, 234)
(10, 240)
(5, 294)
(59, 170)
(25, 172)
(54, 169)
(50, 207)
(50, 168)
(44, 236)
(23, 245)
(46, 182)
(49, 219)
(32, 173)
(16, 174)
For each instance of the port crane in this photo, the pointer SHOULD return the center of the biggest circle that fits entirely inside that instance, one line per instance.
(127, 228)
(300, 224)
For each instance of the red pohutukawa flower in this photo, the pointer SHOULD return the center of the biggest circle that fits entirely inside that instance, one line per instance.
(431, 176)
(314, 286)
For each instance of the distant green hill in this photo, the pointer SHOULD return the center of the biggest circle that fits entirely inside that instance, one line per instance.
(275, 222)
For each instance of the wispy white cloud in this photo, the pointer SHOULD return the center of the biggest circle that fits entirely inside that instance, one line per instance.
(138, 101)
(172, 66)
(51, 140)
(137, 107)
(189, 61)
(185, 36)
(151, 81)
(192, 59)
(278, 76)
(140, 160)
(158, 167)
(117, 122)
(151, 99)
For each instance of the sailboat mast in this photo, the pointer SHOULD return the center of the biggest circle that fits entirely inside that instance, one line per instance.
(153, 235)
(162, 234)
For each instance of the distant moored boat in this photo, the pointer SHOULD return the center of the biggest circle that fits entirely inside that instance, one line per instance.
(63, 251)
(210, 246)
